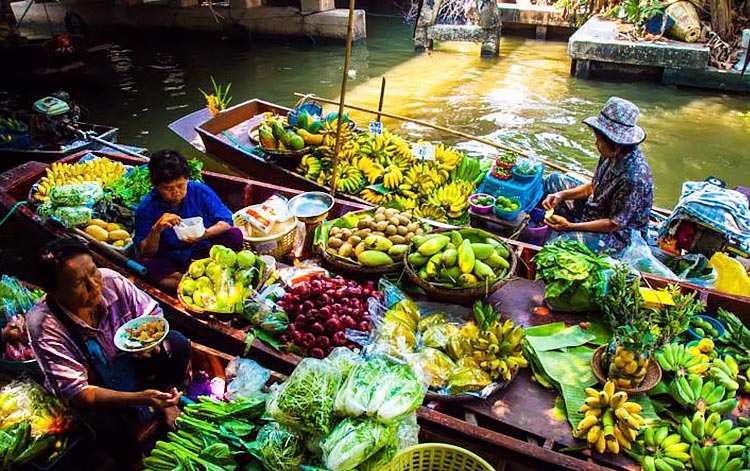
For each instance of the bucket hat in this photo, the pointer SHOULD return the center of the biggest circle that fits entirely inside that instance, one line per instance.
(617, 121)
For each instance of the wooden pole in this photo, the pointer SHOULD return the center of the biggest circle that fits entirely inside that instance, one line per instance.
(344, 80)
(439, 128)
(382, 96)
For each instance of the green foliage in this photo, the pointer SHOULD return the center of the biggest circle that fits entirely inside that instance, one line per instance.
(638, 12)
(131, 188)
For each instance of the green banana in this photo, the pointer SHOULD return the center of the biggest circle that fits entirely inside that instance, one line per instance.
(698, 425)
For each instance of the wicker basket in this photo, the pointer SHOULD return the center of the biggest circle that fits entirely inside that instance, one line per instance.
(277, 245)
(348, 266)
(653, 373)
(464, 296)
(436, 457)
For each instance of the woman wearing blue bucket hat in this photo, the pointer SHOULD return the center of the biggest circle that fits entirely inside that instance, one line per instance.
(603, 212)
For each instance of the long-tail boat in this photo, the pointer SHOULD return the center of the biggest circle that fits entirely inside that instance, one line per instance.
(518, 424)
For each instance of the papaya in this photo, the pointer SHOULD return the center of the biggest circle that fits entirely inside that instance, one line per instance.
(304, 120)
(267, 141)
(310, 139)
(119, 235)
(99, 222)
(295, 142)
(113, 226)
(97, 232)
(278, 132)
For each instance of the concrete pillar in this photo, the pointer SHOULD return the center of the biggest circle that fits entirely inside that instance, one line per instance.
(581, 69)
(489, 20)
(316, 6)
(541, 33)
(427, 17)
(491, 43)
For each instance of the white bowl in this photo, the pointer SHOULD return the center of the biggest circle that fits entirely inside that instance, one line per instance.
(190, 228)
(122, 338)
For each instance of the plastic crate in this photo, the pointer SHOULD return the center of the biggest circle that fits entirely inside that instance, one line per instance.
(528, 191)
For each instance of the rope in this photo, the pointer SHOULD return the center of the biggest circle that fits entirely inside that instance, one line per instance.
(255, 152)
(12, 210)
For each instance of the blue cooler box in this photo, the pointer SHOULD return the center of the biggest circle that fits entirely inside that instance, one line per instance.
(528, 190)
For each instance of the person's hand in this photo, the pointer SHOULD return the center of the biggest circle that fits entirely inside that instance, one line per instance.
(552, 200)
(162, 400)
(166, 220)
(559, 223)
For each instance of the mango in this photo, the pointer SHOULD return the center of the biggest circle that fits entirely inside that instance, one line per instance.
(374, 258)
(456, 238)
(450, 274)
(449, 257)
(397, 251)
(433, 245)
(97, 232)
(467, 279)
(119, 243)
(500, 248)
(295, 142)
(466, 257)
(495, 261)
(482, 251)
(278, 132)
(482, 270)
(417, 260)
(374, 242)
(118, 234)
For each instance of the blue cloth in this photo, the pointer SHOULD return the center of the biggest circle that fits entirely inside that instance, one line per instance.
(200, 200)
(724, 210)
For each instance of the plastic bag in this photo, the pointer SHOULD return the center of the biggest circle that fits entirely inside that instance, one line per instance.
(84, 194)
(278, 448)
(407, 434)
(344, 360)
(354, 441)
(638, 256)
(246, 378)
(307, 397)
(264, 314)
(732, 278)
(692, 268)
(434, 364)
(72, 216)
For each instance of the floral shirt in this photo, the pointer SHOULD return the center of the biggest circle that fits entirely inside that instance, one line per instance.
(624, 193)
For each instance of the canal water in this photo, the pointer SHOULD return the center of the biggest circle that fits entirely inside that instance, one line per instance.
(525, 98)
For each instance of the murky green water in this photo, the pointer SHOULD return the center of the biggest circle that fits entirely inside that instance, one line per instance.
(525, 98)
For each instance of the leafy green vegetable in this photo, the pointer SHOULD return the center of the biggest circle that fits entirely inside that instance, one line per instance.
(573, 275)
(306, 398)
(278, 447)
(382, 388)
(131, 188)
(353, 441)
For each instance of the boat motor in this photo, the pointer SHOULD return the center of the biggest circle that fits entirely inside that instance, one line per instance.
(55, 117)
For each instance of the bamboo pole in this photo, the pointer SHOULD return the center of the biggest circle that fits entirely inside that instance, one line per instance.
(382, 97)
(344, 80)
(497, 145)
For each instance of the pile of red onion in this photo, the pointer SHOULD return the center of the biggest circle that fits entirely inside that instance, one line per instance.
(320, 311)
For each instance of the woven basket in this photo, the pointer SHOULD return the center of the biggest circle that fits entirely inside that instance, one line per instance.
(351, 267)
(652, 378)
(464, 296)
(277, 245)
(436, 457)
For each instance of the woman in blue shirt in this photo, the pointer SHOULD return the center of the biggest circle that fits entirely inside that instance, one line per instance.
(173, 199)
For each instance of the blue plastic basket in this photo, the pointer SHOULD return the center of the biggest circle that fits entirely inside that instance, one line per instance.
(507, 215)
(715, 323)
(528, 191)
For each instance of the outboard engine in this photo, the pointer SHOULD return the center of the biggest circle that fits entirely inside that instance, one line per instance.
(56, 117)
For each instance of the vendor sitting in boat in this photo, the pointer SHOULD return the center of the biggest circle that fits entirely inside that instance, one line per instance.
(72, 334)
(603, 213)
(173, 199)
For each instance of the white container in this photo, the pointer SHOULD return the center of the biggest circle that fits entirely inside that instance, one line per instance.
(190, 228)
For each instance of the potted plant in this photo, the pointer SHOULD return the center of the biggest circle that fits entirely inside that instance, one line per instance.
(219, 100)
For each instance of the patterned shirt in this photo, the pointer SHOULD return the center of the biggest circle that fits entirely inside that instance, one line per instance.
(624, 193)
(64, 364)
(200, 200)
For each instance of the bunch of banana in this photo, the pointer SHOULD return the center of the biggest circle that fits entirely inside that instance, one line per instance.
(310, 166)
(658, 450)
(101, 170)
(431, 212)
(392, 177)
(725, 373)
(468, 170)
(610, 422)
(372, 171)
(453, 198)
(374, 197)
(329, 133)
(350, 179)
(715, 458)
(696, 393)
(496, 347)
(676, 357)
(711, 432)
(627, 369)
(405, 204)
(447, 158)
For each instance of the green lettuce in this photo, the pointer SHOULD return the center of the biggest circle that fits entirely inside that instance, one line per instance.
(352, 442)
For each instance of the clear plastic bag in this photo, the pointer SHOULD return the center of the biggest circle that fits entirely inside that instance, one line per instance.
(352, 442)
(638, 256)
(344, 360)
(246, 378)
(84, 194)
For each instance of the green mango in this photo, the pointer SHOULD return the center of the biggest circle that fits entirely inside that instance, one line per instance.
(278, 132)
(482, 251)
(295, 141)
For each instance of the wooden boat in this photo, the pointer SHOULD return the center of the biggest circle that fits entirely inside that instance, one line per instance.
(10, 157)
(499, 428)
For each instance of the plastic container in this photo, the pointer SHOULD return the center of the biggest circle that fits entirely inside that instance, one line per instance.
(479, 209)
(535, 235)
(715, 323)
(524, 177)
(190, 228)
(508, 215)
(528, 192)
(436, 457)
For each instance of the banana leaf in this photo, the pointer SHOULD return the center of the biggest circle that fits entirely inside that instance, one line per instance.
(570, 337)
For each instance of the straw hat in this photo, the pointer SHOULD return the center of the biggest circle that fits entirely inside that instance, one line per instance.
(617, 121)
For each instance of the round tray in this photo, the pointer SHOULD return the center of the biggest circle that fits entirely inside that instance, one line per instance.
(350, 266)
(464, 296)
(653, 374)
(464, 397)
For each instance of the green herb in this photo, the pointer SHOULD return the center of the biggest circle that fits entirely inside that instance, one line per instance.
(131, 188)
(507, 158)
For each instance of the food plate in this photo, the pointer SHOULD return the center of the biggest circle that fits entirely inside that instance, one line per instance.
(125, 342)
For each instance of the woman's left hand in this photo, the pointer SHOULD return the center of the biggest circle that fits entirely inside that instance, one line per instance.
(561, 224)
